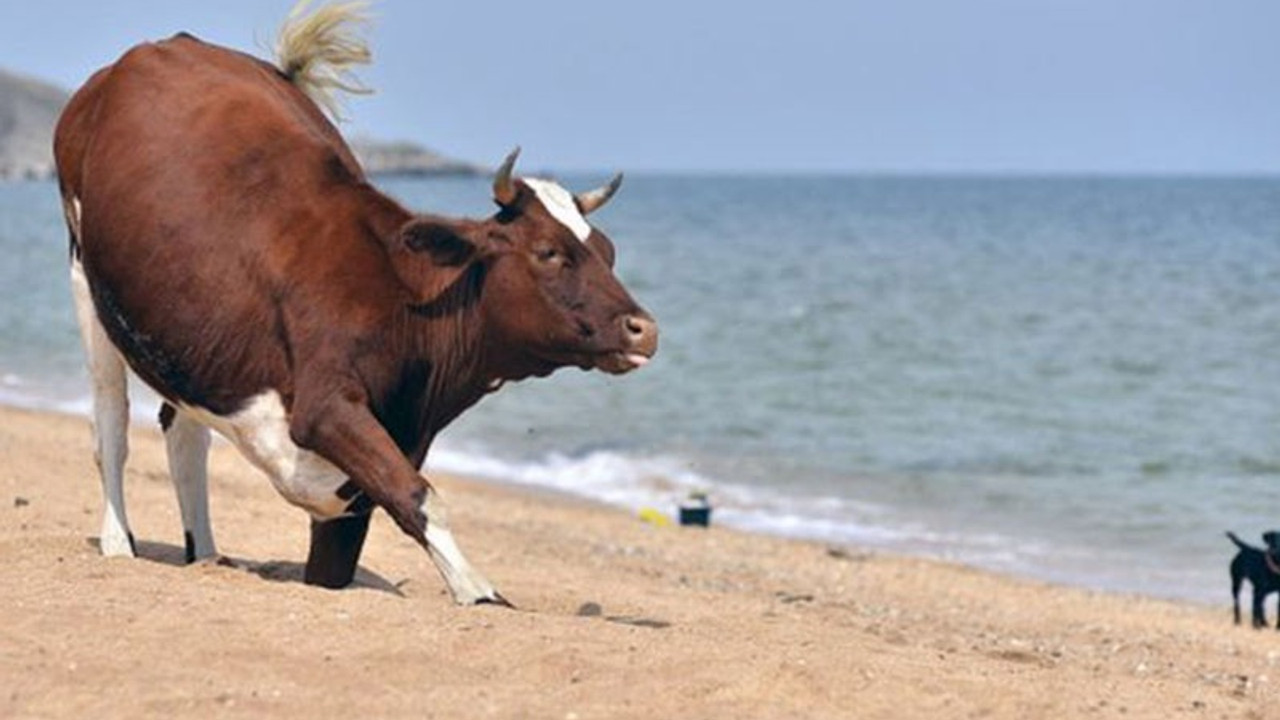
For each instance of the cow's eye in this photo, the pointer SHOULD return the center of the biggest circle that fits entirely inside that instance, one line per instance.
(547, 255)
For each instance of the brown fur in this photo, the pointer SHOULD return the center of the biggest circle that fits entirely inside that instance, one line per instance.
(233, 245)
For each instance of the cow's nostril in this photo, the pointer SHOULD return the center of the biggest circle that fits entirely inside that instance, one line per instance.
(642, 333)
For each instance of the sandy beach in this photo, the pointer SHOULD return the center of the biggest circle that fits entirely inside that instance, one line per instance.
(616, 618)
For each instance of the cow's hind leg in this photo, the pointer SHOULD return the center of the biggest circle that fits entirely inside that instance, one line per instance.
(108, 379)
(187, 443)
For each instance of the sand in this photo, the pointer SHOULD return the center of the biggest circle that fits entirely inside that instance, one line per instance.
(616, 618)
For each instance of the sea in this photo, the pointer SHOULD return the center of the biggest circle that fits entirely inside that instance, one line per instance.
(1073, 379)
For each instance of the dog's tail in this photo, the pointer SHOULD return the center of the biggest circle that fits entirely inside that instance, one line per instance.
(1240, 543)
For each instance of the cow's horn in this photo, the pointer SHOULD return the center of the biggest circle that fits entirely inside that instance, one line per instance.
(504, 187)
(592, 200)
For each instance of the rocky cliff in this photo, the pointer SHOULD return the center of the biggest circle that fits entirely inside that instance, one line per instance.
(29, 110)
(406, 158)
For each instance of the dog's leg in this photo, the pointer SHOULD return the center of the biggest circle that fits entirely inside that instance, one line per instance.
(1259, 614)
(1236, 582)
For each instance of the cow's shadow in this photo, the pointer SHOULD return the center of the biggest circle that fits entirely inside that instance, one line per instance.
(285, 571)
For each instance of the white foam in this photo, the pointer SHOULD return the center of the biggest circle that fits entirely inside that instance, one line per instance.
(663, 482)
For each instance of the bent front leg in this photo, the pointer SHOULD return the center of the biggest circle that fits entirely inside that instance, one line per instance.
(346, 433)
(467, 586)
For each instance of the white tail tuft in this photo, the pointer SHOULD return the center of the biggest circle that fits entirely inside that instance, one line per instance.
(316, 51)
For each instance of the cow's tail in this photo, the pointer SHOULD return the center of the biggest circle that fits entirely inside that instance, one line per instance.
(317, 49)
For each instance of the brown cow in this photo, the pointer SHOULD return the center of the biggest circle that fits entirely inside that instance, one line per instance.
(226, 245)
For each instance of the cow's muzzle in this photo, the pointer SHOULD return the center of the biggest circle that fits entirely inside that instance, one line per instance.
(640, 335)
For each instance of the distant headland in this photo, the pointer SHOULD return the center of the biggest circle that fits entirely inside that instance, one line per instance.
(29, 109)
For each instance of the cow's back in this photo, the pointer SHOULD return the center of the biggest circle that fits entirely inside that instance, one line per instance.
(185, 116)
(205, 184)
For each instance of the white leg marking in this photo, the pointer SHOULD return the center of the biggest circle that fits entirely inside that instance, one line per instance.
(110, 414)
(261, 433)
(559, 202)
(466, 584)
(187, 443)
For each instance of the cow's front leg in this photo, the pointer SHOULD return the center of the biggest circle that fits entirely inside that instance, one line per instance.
(335, 550)
(468, 586)
(346, 433)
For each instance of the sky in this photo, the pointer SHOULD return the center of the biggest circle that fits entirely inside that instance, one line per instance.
(879, 86)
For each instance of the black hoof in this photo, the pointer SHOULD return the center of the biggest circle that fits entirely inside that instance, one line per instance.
(498, 600)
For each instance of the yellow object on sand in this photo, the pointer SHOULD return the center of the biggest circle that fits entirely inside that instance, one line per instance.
(654, 517)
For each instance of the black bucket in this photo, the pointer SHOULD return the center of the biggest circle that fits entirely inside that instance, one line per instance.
(699, 515)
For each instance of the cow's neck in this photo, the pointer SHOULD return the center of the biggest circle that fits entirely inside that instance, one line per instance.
(442, 374)
(440, 343)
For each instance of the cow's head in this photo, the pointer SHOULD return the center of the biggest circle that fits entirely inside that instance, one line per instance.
(543, 279)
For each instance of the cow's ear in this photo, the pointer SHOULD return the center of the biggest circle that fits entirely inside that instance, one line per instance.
(430, 255)
(443, 242)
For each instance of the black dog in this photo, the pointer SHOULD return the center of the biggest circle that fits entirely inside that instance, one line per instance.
(1262, 569)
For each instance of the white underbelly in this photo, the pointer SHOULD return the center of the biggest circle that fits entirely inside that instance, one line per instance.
(260, 432)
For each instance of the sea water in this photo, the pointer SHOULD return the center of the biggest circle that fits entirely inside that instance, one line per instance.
(1075, 379)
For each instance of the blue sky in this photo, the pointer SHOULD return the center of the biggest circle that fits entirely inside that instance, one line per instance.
(1110, 86)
